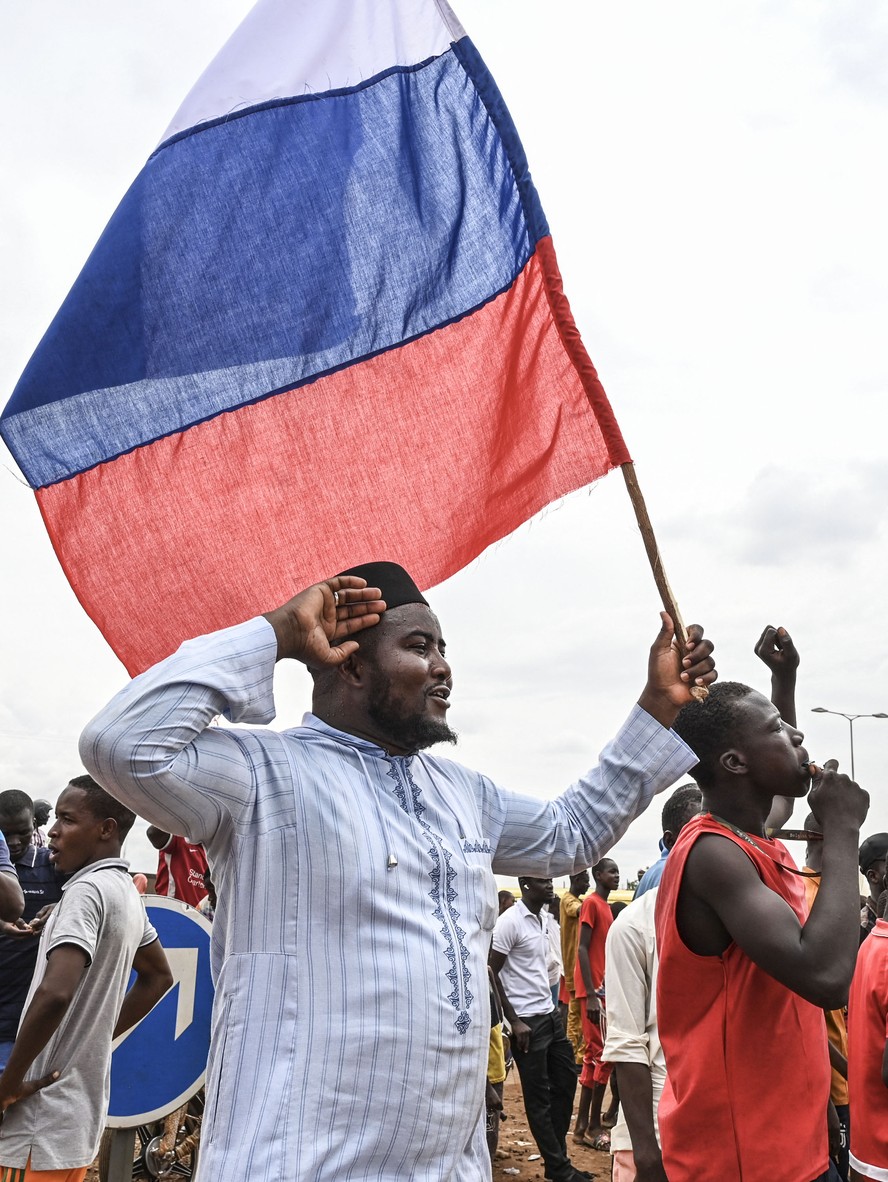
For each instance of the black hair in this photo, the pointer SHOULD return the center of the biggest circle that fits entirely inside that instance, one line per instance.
(682, 805)
(102, 804)
(13, 801)
(710, 727)
(873, 849)
(596, 869)
(42, 809)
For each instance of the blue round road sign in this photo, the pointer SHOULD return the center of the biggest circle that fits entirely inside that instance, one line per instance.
(160, 1063)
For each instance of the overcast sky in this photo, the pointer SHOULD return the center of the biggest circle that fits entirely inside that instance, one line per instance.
(715, 179)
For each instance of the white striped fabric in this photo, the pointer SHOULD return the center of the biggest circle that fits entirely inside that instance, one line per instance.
(351, 1016)
(287, 48)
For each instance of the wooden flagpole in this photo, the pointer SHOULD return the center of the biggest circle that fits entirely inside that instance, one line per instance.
(653, 552)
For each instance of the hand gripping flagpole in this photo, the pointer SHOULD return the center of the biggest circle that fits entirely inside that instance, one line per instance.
(700, 692)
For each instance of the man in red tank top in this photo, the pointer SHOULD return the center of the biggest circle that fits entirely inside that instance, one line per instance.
(868, 1052)
(743, 976)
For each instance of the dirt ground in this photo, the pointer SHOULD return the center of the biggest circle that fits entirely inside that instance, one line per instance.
(519, 1146)
(516, 1146)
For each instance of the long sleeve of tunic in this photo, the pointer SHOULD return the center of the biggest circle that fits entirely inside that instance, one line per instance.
(350, 1044)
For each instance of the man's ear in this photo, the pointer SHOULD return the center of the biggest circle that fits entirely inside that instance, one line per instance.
(668, 838)
(353, 669)
(733, 761)
(108, 829)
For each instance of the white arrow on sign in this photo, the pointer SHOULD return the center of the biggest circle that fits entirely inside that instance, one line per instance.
(183, 962)
(183, 965)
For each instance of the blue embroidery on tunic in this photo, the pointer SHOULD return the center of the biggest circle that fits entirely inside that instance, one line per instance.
(400, 791)
(444, 895)
(476, 847)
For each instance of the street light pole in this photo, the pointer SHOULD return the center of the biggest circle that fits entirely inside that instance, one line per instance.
(852, 718)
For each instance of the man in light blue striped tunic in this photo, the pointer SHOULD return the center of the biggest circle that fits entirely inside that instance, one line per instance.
(351, 1044)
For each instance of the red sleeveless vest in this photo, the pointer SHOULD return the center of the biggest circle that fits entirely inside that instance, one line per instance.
(747, 1059)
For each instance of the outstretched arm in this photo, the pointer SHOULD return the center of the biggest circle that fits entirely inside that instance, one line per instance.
(776, 649)
(674, 670)
(532, 836)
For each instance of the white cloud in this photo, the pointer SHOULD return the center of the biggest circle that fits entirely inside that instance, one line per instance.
(855, 43)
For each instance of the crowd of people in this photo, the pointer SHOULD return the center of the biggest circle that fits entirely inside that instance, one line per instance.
(704, 1032)
(720, 994)
(70, 981)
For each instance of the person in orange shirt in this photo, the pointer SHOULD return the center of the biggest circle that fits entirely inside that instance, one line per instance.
(571, 902)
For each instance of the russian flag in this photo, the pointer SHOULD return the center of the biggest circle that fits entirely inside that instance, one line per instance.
(324, 326)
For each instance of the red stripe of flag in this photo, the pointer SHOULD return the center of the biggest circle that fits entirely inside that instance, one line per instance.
(425, 455)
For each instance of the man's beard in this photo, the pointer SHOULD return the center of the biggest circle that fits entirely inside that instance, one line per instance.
(413, 732)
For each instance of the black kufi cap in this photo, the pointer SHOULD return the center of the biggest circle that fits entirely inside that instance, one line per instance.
(396, 585)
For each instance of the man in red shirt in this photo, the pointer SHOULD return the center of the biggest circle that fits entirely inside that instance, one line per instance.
(873, 854)
(595, 920)
(181, 867)
(868, 1052)
(744, 971)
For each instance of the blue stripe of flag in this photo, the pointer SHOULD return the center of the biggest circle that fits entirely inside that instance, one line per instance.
(256, 253)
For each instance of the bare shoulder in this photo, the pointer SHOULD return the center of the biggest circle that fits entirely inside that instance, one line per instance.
(717, 874)
(717, 863)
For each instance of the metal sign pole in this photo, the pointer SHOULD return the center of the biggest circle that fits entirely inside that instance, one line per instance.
(119, 1166)
(158, 1065)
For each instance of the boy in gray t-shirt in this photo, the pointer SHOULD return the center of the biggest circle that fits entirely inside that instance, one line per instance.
(54, 1090)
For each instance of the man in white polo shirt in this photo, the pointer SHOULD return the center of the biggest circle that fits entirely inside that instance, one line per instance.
(543, 1055)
